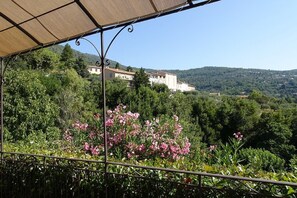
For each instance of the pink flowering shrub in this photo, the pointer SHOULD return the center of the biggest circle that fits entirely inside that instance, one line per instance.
(126, 137)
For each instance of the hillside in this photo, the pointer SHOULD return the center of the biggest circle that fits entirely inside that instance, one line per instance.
(89, 58)
(231, 81)
(238, 81)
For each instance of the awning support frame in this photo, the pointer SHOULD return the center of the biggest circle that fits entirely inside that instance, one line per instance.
(103, 62)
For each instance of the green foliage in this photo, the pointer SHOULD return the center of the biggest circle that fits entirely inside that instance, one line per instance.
(81, 67)
(129, 69)
(140, 79)
(227, 155)
(204, 114)
(74, 100)
(117, 66)
(42, 59)
(67, 57)
(67, 54)
(273, 134)
(145, 102)
(160, 88)
(28, 108)
(293, 164)
(116, 92)
(237, 81)
(181, 105)
(259, 159)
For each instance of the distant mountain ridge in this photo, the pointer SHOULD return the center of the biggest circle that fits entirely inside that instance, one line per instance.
(236, 81)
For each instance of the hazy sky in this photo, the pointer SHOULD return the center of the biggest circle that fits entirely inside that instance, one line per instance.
(231, 33)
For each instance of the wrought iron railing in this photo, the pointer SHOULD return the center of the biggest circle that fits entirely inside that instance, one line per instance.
(28, 175)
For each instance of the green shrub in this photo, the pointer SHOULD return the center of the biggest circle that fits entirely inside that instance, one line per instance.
(293, 164)
(261, 159)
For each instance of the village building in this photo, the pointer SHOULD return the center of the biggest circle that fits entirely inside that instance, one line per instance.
(160, 77)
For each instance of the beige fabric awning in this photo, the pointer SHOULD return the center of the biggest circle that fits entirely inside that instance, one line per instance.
(31, 24)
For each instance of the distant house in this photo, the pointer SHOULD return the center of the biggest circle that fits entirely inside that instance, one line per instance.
(184, 87)
(94, 70)
(111, 73)
(164, 78)
(215, 94)
(170, 80)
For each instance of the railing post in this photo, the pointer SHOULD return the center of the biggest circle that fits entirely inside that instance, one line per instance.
(1, 101)
(102, 64)
(200, 185)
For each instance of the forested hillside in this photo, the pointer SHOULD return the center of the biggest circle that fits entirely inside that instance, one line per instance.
(235, 81)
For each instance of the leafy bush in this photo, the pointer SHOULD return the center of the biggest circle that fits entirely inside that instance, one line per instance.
(126, 137)
(261, 159)
(28, 109)
(226, 154)
(293, 164)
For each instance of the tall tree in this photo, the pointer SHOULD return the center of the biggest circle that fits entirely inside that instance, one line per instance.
(81, 67)
(141, 79)
(28, 109)
(67, 57)
(274, 134)
(129, 69)
(117, 66)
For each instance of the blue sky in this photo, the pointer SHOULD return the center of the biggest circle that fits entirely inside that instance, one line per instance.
(231, 33)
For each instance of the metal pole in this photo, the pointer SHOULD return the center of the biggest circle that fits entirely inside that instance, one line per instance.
(102, 63)
(1, 101)
(200, 185)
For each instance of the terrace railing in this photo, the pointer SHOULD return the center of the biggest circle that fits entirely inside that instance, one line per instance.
(28, 175)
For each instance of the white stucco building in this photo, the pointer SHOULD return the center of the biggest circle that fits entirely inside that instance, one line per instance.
(94, 70)
(160, 77)
(164, 78)
(111, 73)
(184, 87)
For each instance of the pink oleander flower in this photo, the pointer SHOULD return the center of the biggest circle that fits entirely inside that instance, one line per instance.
(186, 148)
(80, 126)
(129, 155)
(141, 148)
(178, 129)
(147, 123)
(84, 126)
(109, 122)
(154, 146)
(117, 139)
(109, 112)
(164, 146)
(238, 136)
(175, 156)
(173, 149)
(136, 116)
(86, 146)
(94, 150)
